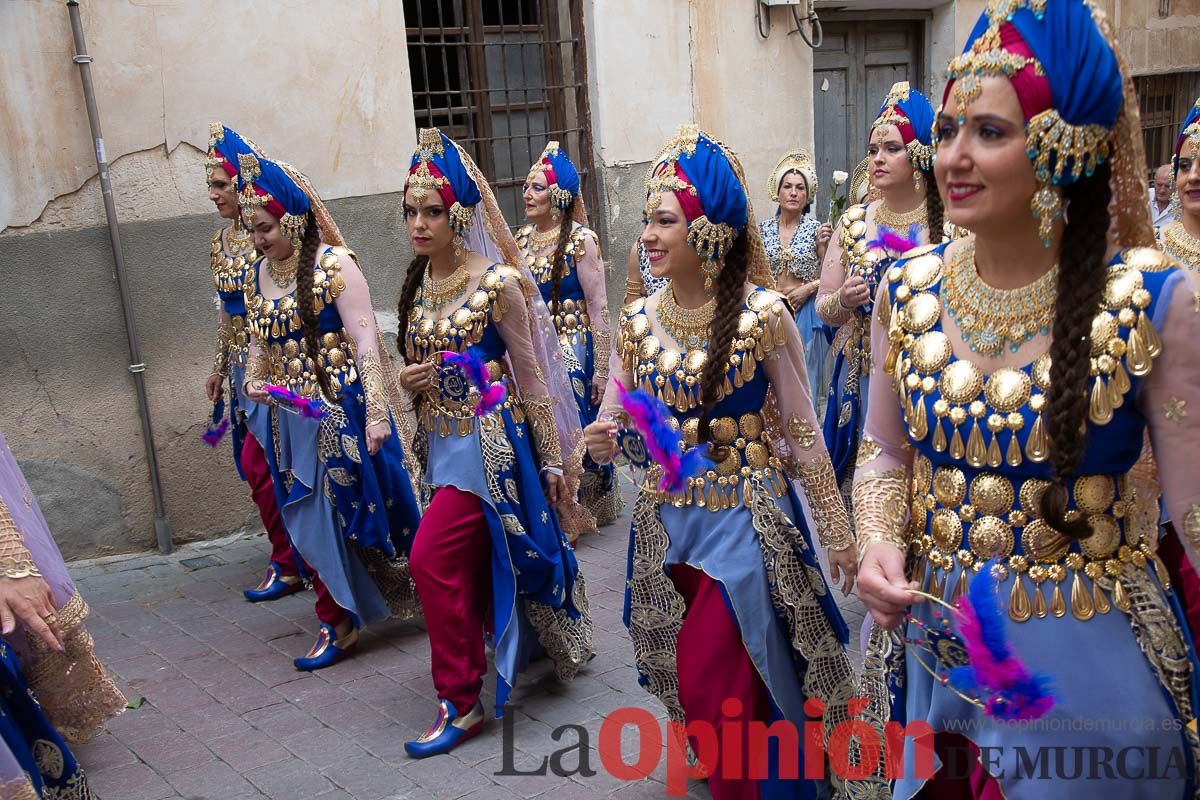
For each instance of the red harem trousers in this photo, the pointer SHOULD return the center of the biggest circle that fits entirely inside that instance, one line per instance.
(713, 665)
(451, 566)
(258, 475)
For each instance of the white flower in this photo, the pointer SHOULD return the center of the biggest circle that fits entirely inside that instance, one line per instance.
(839, 177)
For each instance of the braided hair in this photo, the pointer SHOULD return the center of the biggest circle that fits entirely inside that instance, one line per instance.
(558, 266)
(729, 285)
(306, 304)
(1080, 287)
(935, 212)
(408, 295)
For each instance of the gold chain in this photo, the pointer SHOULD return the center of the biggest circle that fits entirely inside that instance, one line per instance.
(1181, 245)
(283, 273)
(539, 240)
(437, 293)
(687, 326)
(989, 318)
(900, 221)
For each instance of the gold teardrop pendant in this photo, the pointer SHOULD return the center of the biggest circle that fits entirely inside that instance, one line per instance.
(939, 436)
(1136, 355)
(1018, 601)
(1120, 597)
(1099, 408)
(994, 459)
(1101, 598)
(920, 422)
(1081, 600)
(976, 452)
(956, 444)
(1039, 601)
(1058, 605)
(1146, 329)
(1013, 456)
(935, 585)
(1036, 446)
(960, 588)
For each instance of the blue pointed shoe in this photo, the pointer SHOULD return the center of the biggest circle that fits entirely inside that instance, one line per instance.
(327, 650)
(447, 732)
(274, 586)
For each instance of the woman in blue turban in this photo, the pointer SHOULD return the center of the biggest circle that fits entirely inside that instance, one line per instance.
(501, 441)
(732, 620)
(1181, 238)
(231, 256)
(317, 360)
(867, 239)
(1016, 373)
(564, 256)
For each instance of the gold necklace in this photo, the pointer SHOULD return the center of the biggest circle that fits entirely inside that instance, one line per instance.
(1181, 245)
(437, 293)
(900, 221)
(539, 240)
(688, 326)
(283, 273)
(238, 240)
(990, 318)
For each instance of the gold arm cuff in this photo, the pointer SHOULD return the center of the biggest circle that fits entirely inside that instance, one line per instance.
(601, 350)
(635, 287)
(258, 368)
(15, 560)
(224, 345)
(831, 311)
(545, 432)
(825, 501)
(881, 508)
(370, 373)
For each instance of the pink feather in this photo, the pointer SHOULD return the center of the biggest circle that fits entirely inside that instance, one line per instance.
(214, 434)
(492, 394)
(663, 442)
(304, 406)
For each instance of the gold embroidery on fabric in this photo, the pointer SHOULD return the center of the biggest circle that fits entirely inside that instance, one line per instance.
(868, 451)
(374, 393)
(881, 508)
(545, 433)
(15, 559)
(802, 431)
(567, 641)
(825, 502)
(393, 578)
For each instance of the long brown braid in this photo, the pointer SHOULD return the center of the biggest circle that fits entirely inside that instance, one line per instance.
(935, 212)
(1081, 279)
(558, 266)
(408, 295)
(729, 285)
(306, 304)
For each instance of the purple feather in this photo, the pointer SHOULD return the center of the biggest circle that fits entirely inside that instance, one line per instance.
(214, 434)
(894, 242)
(492, 394)
(1009, 689)
(304, 406)
(663, 441)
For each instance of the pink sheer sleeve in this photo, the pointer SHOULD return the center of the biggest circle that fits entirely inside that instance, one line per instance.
(806, 459)
(884, 455)
(358, 318)
(590, 269)
(833, 275)
(224, 343)
(512, 321)
(1170, 401)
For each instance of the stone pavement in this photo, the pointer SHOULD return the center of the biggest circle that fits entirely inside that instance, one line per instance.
(226, 716)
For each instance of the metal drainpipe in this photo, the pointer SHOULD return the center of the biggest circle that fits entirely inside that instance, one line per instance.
(162, 529)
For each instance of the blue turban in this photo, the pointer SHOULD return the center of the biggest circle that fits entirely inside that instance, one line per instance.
(1038, 44)
(911, 113)
(561, 174)
(266, 185)
(436, 165)
(1188, 132)
(699, 171)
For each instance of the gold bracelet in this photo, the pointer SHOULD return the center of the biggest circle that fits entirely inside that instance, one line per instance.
(258, 368)
(224, 345)
(881, 508)
(545, 431)
(635, 288)
(601, 350)
(825, 502)
(370, 373)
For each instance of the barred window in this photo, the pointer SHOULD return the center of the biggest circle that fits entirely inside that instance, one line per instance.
(502, 77)
(1164, 101)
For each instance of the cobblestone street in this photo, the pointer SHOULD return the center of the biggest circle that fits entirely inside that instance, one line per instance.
(226, 716)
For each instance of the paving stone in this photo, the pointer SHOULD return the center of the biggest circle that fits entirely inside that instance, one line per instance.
(214, 781)
(366, 777)
(172, 752)
(248, 750)
(129, 782)
(289, 780)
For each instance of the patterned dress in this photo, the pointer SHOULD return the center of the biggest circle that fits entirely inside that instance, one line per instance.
(232, 254)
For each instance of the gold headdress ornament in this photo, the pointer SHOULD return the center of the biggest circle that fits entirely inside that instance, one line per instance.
(794, 161)
(421, 180)
(1191, 134)
(561, 198)
(292, 225)
(216, 133)
(709, 238)
(921, 155)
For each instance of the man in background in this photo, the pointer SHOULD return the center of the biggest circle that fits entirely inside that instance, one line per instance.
(1160, 197)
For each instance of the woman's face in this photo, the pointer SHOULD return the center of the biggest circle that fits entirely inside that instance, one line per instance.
(268, 236)
(983, 173)
(665, 240)
(536, 194)
(222, 191)
(887, 158)
(428, 223)
(793, 193)
(1187, 181)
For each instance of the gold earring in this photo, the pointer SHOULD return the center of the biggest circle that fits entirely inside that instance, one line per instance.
(711, 268)
(459, 245)
(917, 178)
(1047, 206)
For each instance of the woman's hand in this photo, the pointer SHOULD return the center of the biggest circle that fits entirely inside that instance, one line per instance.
(883, 587)
(598, 391)
(802, 294)
(377, 434)
(854, 292)
(844, 562)
(599, 440)
(256, 393)
(417, 378)
(552, 484)
(214, 387)
(824, 234)
(29, 601)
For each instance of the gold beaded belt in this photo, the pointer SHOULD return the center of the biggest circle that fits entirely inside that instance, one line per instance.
(740, 452)
(571, 317)
(448, 416)
(290, 368)
(969, 522)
